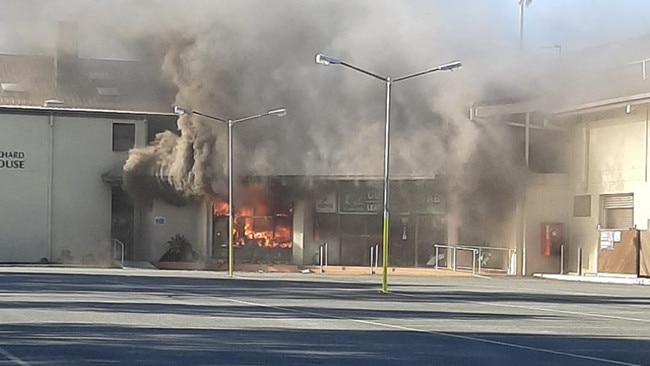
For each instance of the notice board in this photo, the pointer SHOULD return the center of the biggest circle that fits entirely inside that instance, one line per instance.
(617, 251)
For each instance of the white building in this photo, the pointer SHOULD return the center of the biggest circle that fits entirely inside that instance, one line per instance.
(609, 189)
(595, 141)
(58, 199)
(67, 125)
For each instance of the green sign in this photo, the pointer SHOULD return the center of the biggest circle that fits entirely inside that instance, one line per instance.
(362, 199)
(432, 202)
(404, 198)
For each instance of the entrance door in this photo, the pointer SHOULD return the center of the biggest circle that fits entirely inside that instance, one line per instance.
(122, 216)
(401, 241)
(358, 234)
(220, 238)
(430, 229)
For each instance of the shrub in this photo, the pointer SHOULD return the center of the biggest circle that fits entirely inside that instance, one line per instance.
(180, 250)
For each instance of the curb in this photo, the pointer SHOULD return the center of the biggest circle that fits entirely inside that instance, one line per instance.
(601, 278)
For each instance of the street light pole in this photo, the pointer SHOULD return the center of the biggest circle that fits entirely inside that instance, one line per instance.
(231, 215)
(386, 214)
(231, 221)
(522, 7)
(322, 59)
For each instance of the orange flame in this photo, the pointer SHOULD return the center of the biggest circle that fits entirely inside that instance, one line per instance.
(257, 225)
(220, 208)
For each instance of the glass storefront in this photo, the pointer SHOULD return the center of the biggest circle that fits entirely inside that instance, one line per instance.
(354, 222)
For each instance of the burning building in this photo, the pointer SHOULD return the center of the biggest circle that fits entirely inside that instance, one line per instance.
(263, 226)
(314, 178)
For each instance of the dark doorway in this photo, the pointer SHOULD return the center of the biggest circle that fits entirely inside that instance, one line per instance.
(358, 233)
(401, 241)
(122, 216)
(430, 230)
(220, 238)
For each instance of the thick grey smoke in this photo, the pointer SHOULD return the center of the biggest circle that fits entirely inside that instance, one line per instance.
(262, 58)
(237, 58)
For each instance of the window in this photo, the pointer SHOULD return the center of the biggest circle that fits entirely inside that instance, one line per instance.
(123, 136)
(582, 206)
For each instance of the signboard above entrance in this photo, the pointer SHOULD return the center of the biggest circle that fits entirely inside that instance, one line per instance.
(361, 199)
(326, 203)
(367, 197)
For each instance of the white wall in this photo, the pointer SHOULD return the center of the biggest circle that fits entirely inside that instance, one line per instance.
(304, 245)
(80, 200)
(546, 201)
(186, 220)
(82, 152)
(610, 156)
(616, 155)
(24, 192)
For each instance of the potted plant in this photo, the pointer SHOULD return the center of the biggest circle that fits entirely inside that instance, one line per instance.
(179, 255)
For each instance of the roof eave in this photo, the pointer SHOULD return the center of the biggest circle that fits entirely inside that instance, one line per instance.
(604, 104)
(67, 110)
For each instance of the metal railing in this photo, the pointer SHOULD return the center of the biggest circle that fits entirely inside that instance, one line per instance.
(565, 258)
(322, 257)
(374, 257)
(580, 261)
(114, 251)
(454, 251)
(562, 259)
(484, 251)
(480, 257)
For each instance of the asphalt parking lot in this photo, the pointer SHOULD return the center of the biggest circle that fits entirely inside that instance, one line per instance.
(58, 316)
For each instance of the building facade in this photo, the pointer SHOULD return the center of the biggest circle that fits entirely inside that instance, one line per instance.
(609, 179)
(579, 182)
(59, 201)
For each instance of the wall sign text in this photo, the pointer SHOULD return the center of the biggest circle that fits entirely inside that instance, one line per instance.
(12, 159)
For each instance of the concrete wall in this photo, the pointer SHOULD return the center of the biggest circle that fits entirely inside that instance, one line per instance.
(162, 221)
(299, 227)
(79, 227)
(546, 201)
(81, 220)
(24, 227)
(610, 156)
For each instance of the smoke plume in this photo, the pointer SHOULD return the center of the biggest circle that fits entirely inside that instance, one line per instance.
(235, 59)
(238, 60)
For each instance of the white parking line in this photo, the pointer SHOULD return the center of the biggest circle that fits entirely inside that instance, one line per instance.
(13, 358)
(579, 313)
(442, 334)
(557, 311)
(544, 292)
(583, 314)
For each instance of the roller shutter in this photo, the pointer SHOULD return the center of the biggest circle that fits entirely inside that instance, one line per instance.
(618, 211)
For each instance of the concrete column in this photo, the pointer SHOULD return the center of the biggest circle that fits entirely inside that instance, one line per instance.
(298, 237)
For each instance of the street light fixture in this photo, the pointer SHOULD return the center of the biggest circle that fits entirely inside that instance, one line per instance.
(231, 239)
(322, 59)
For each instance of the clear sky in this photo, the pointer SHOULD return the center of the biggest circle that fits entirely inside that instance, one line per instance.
(571, 24)
(583, 23)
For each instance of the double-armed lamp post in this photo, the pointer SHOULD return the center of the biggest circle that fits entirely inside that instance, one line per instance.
(328, 60)
(230, 122)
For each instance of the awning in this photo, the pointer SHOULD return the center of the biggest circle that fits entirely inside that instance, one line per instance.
(113, 176)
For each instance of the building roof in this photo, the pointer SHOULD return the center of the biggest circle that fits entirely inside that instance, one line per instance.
(605, 104)
(31, 80)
